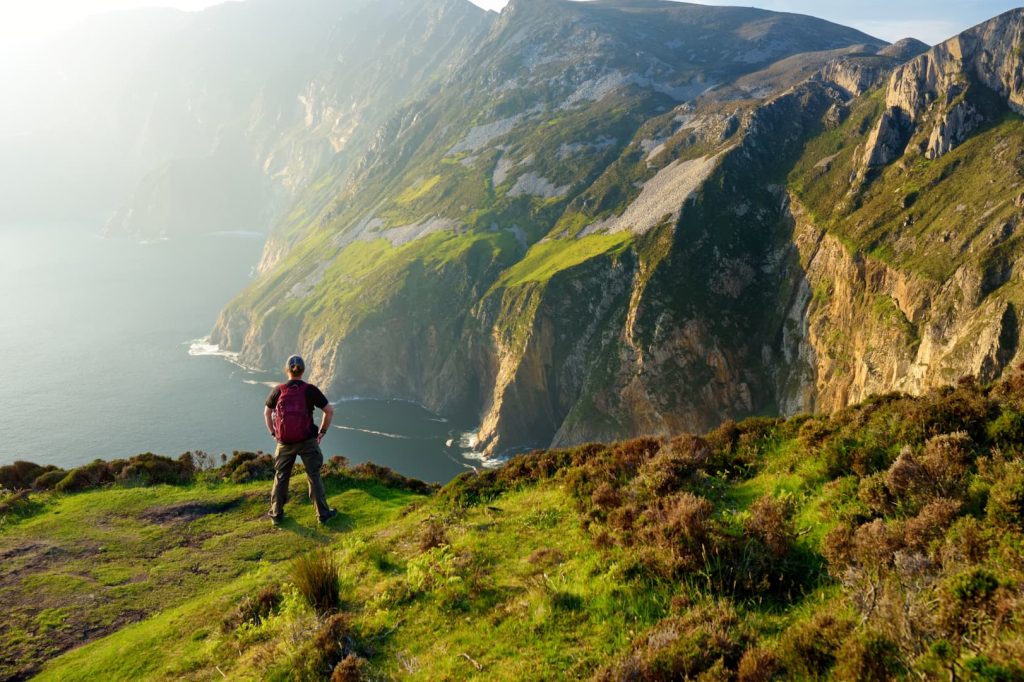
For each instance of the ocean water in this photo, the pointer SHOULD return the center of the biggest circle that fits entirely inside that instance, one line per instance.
(101, 347)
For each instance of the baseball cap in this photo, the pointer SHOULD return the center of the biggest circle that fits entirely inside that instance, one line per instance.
(296, 362)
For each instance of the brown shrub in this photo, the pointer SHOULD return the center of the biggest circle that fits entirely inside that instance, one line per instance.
(808, 648)
(724, 438)
(968, 602)
(20, 475)
(676, 462)
(351, 669)
(680, 527)
(838, 548)
(1006, 500)
(605, 497)
(546, 557)
(875, 543)
(368, 471)
(433, 535)
(815, 431)
(705, 640)
(873, 491)
(623, 519)
(930, 523)
(946, 459)
(906, 477)
(869, 657)
(758, 665)
(771, 521)
(966, 543)
(254, 610)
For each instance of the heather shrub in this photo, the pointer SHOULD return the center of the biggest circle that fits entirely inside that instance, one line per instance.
(808, 648)
(316, 576)
(706, 639)
(1006, 500)
(149, 469)
(254, 610)
(873, 491)
(966, 604)
(334, 641)
(19, 475)
(869, 657)
(244, 467)
(907, 480)
(259, 469)
(676, 462)
(930, 524)
(1007, 429)
(368, 471)
(771, 522)
(758, 665)
(947, 459)
(49, 479)
(433, 534)
(85, 477)
(352, 668)
(605, 497)
(679, 526)
(966, 543)
(471, 488)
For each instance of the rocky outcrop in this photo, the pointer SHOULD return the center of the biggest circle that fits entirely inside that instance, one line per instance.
(952, 129)
(856, 74)
(863, 328)
(930, 88)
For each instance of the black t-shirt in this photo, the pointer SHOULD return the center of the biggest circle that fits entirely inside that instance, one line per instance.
(314, 399)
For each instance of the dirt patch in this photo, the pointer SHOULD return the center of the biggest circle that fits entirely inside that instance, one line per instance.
(188, 511)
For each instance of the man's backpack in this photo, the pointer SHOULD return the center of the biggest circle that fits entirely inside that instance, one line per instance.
(293, 421)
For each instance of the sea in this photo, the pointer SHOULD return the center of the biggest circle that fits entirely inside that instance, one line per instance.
(104, 354)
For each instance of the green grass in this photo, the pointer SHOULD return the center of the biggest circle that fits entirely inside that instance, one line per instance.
(94, 561)
(566, 563)
(548, 258)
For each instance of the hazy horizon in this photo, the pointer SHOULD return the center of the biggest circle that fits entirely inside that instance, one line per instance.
(928, 20)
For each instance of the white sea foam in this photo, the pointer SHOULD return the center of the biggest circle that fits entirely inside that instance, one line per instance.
(374, 433)
(253, 382)
(203, 348)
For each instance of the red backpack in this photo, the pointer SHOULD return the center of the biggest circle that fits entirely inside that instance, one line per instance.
(293, 423)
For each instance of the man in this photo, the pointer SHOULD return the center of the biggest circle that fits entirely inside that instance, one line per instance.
(289, 418)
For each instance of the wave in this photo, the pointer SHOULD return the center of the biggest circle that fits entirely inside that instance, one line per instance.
(486, 461)
(374, 433)
(200, 348)
(253, 382)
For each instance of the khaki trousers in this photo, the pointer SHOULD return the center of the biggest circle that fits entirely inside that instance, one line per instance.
(312, 460)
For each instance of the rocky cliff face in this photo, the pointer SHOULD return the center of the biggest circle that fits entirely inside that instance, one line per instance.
(911, 279)
(615, 218)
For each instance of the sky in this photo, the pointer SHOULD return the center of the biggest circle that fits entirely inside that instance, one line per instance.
(928, 20)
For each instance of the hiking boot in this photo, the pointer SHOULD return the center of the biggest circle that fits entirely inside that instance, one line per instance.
(330, 515)
(276, 520)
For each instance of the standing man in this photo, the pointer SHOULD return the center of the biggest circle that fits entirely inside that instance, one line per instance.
(289, 418)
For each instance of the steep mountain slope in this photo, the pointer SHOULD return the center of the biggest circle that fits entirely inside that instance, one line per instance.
(906, 221)
(499, 245)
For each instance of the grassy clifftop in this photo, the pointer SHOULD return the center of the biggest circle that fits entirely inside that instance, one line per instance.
(886, 541)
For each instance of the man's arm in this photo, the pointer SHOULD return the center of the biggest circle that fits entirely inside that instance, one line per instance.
(268, 417)
(328, 410)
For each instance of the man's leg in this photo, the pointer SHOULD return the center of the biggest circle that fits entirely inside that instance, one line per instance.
(312, 460)
(284, 460)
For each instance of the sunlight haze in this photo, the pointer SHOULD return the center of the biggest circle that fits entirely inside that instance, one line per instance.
(20, 22)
